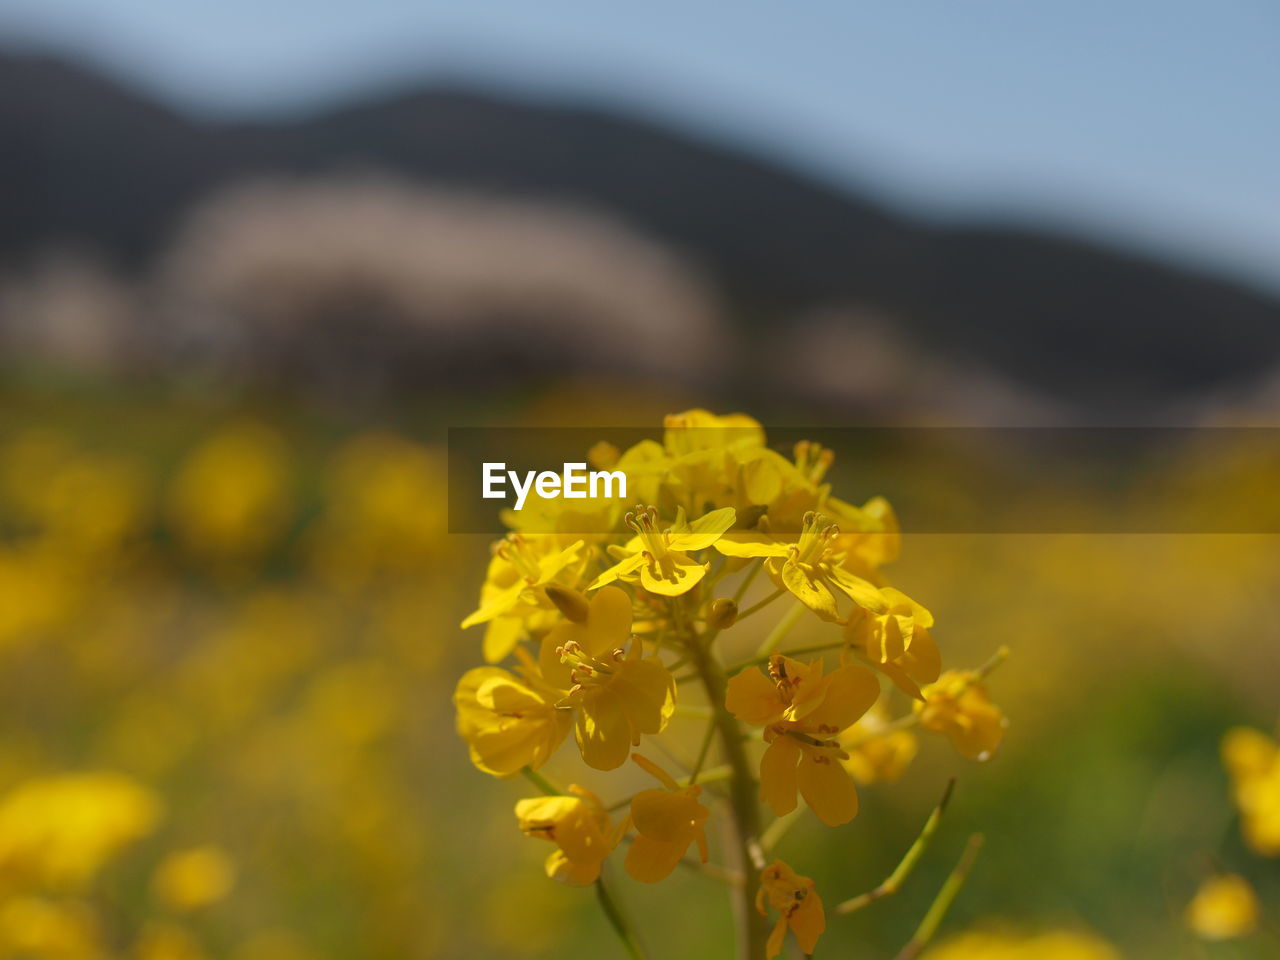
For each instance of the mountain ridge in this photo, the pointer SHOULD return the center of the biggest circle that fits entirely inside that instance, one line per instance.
(93, 162)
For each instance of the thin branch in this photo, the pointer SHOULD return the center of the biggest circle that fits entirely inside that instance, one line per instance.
(541, 782)
(893, 883)
(777, 830)
(618, 921)
(760, 604)
(942, 902)
(747, 580)
(702, 752)
(780, 631)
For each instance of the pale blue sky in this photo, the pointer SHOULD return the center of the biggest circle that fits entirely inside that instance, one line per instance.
(1152, 122)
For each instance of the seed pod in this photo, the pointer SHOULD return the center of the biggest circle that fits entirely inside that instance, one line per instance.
(722, 613)
(571, 603)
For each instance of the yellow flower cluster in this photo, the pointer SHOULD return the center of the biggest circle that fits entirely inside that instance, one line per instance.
(1253, 761)
(611, 623)
(208, 645)
(1000, 945)
(1223, 908)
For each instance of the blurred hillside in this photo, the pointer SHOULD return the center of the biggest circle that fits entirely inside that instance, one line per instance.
(439, 234)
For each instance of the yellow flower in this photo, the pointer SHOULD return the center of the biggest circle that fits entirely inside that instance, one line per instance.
(54, 929)
(803, 712)
(162, 940)
(194, 878)
(509, 723)
(896, 642)
(798, 904)
(869, 538)
(659, 559)
(667, 822)
(579, 827)
(1253, 761)
(515, 586)
(696, 430)
(812, 567)
(1225, 907)
(876, 751)
(1000, 945)
(959, 707)
(230, 499)
(617, 696)
(60, 831)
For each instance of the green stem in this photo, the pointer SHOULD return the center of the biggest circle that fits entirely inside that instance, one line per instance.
(760, 604)
(541, 782)
(942, 902)
(749, 858)
(779, 632)
(702, 752)
(909, 860)
(747, 581)
(618, 921)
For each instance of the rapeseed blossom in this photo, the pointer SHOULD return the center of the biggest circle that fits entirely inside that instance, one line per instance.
(579, 827)
(1225, 907)
(1253, 761)
(798, 906)
(667, 823)
(621, 626)
(804, 711)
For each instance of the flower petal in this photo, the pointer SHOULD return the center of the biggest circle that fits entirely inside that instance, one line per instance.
(676, 576)
(501, 637)
(808, 921)
(750, 543)
(603, 732)
(651, 860)
(774, 947)
(827, 788)
(810, 590)
(848, 693)
(862, 592)
(622, 568)
(668, 817)
(705, 531)
(752, 698)
(608, 621)
(647, 692)
(778, 775)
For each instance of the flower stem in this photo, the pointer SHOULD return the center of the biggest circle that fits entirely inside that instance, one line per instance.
(541, 782)
(760, 604)
(743, 802)
(942, 902)
(618, 921)
(779, 632)
(908, 863)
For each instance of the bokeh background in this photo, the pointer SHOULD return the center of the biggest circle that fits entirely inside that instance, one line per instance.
(256, 258)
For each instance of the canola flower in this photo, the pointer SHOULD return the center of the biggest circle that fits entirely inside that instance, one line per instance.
(798, 906)
(1008, 945)
(58, 832)
(1225, 907)
(1252, 760)
(619, 625)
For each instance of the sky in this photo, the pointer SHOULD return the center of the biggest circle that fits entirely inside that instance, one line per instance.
(1150, 123)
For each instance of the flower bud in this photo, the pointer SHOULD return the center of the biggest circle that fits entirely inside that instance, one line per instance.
(570, 602)
(603, 456)
(722, 613)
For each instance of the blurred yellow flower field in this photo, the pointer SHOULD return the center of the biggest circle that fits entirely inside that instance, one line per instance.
(229, 641)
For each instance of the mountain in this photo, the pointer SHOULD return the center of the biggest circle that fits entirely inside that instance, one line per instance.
(88, 161)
